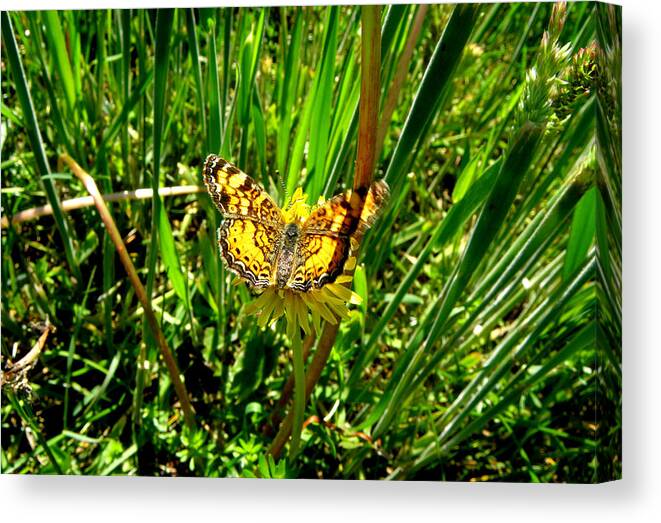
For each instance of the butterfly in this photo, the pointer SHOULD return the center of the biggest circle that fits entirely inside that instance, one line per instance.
(258, 243)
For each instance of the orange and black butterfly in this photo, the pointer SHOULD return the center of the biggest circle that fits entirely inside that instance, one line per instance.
(263, 245)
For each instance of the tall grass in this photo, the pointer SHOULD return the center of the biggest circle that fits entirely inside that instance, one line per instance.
(486, 346)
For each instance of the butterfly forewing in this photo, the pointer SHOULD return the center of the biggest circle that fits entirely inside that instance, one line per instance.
(237, 194)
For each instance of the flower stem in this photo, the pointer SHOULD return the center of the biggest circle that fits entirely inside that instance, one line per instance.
(321, 355)
(299, 393)
(288, 389)
(370, 88)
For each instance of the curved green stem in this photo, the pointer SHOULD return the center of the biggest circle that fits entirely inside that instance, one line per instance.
(299, 392)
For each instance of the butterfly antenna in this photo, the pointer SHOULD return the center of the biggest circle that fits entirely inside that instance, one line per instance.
(283, 185)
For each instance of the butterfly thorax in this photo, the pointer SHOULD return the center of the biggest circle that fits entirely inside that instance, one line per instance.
(286, 254)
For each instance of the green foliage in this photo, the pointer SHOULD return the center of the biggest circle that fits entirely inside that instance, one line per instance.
(487, 343)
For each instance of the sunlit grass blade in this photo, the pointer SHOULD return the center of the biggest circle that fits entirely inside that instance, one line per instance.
(81, 311)
(216, 125)
(58, 119)
(582, 232)
(124, 27)
(288, 83)
(171, 259)
(164, 21)
(259, 125)
(294, 169)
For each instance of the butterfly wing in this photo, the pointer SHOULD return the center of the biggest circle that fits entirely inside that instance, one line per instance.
(252, 222)
(236, 194)
(328, 233)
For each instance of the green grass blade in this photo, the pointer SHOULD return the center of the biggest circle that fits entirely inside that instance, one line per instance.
(58, 48)
(289, 83)
(60, 122)
(249, 54)
(120, 122)
(582, 233)
(171, 258)
(80, 312)
(164, 21)
(191, 31)
(259, 124)
(427, 100)
(321, 110)
(215, 129)
(34, 134)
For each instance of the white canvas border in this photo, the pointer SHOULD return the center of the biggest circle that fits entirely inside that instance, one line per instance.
(636, 498)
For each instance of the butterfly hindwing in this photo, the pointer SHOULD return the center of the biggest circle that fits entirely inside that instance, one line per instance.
(248, 249)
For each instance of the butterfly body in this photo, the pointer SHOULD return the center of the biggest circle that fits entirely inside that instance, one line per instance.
(266, 247)
(286, 254)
